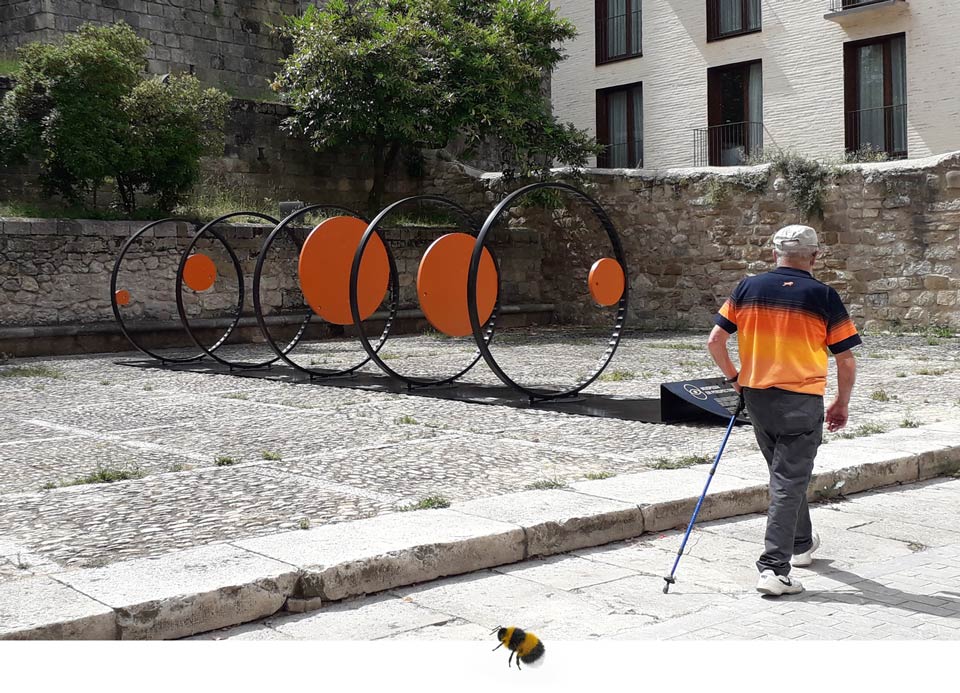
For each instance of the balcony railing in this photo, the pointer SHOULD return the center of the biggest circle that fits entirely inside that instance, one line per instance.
(881, 129)
(619, 36)
(727, 145)
(841, 5)
(732, 17)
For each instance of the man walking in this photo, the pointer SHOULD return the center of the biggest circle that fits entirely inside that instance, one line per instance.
(785, 322)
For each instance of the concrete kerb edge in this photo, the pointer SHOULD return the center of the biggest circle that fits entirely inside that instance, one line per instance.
(317, 585)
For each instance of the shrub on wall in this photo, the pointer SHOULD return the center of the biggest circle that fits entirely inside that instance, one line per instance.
(86, 110)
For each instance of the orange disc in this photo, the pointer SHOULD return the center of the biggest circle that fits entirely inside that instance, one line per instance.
(442, 284)
(123, 297)
(325, 263)
(199, 273)
(606, 281)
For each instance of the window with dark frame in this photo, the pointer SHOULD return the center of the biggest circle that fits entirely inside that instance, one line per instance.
(734, 115)
(726, 18)
(619, 30)
(620, 126)
(875, 95)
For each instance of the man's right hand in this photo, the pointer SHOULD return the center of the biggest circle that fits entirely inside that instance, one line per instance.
(837, 415)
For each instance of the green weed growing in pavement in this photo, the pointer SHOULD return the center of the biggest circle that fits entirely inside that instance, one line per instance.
(236, 395)
(304, 523)
(931, 371)
(428, 503)
(616, 376)
(406, 419)
(32, 372)
(180, 467)
(596, 476)
(388, 355)
(901, 374)
(148, 387)
(864, 430)
(933, 341)
(546, 484)
(880, 395)
(682, 462)
(49, 485)
(224, 461)
(105, 382)
(272, 456)
(106, 475)
(942, 331)
(909, 423)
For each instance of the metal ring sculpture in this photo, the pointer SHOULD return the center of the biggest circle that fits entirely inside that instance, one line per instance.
(484, 336)
(483, 345)
(209, 227)
(258, 307)
(116, 308)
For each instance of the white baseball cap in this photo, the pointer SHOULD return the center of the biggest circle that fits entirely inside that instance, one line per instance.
(795, 236)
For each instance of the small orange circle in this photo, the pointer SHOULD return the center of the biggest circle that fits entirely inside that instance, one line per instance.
(324, 269)
(442, 284)
(122, 297)
(606, 281)
(199, 273)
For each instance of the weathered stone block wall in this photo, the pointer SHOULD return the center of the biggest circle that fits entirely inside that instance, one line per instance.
(23, 21)
(891, 233)
(224, 42)
(58, 272)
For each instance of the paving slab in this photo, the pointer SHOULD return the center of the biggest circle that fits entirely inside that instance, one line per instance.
(41, 608)
(170, 596)
(557, 521)
(390, 550)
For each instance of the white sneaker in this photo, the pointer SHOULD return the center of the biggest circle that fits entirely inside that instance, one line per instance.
(802, 560)
(775, 585)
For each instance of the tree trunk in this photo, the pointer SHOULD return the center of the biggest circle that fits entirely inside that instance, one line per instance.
(384, 157)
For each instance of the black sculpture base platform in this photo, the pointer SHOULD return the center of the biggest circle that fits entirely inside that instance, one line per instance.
(677, 405)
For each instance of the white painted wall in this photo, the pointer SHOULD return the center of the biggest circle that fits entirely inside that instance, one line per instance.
(802, 56)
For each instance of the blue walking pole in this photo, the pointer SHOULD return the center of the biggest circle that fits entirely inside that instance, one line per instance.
(670, 579)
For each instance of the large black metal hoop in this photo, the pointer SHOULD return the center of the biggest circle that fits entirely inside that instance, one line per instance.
(258, 308)
(181, 310)
(116, 308)
(410, 381)
(482, 344)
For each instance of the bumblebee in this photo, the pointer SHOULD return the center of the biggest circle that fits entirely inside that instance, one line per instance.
(526, 646)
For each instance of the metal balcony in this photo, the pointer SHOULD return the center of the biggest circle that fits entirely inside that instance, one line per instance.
(731, 144)
(841, 9)
(881, 129)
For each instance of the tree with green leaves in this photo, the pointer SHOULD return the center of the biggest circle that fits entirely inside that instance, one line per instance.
(86, 109)
(398, 74)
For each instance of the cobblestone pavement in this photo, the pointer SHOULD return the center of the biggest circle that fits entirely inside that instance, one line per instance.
(223, 457)
(888, 568)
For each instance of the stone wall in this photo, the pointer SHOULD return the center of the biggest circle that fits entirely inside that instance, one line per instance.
(58, 272)
(891, 232)
(227, 43)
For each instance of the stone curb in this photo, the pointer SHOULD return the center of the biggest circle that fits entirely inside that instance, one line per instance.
(205, 588)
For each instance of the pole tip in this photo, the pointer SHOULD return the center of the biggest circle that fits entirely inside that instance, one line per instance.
(669, 579)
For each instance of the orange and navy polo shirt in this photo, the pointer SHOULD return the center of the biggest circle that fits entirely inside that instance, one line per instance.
(786, 320)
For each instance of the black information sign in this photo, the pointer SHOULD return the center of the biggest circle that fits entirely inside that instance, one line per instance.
(689, 399)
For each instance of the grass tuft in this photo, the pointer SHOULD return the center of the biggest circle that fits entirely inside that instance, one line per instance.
(428, 503)
(596, 476)
(546, 484)
(224, 461)
(32, 372)
(105, 475)
(273, 456)
(682, 462)
(616, 376)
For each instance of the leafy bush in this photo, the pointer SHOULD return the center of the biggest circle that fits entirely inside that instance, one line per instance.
(87, 111)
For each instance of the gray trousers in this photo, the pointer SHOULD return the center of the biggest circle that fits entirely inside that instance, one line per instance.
(789, 429)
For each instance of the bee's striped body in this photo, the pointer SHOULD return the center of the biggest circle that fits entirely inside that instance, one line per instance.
(526, 646)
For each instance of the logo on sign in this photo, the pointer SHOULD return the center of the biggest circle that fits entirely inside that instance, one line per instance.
(694, 391)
